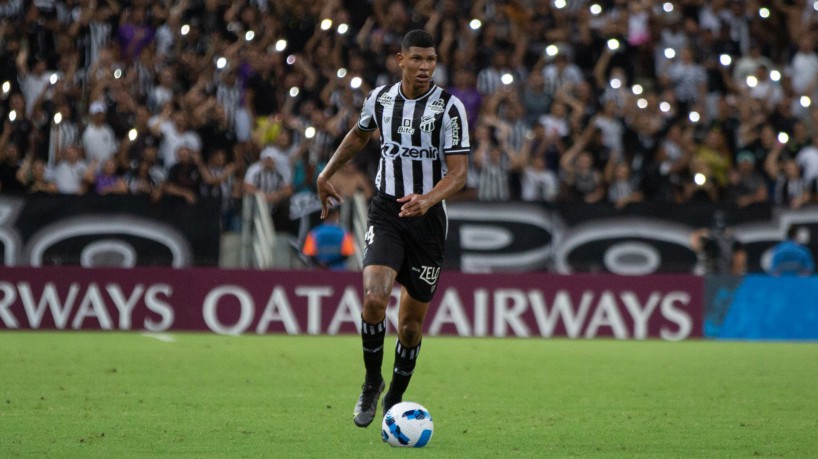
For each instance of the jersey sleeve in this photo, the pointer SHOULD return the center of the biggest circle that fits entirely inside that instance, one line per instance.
(455, 129)
(366, 122)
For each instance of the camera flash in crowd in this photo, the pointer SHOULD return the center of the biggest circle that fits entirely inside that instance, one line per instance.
(291, 59)
(118, 74)
(725, 59)
(355, 82)
(805, 101)
(294, 91)
(249, 35)
(783, 137)
(309, 132)
(6, 87)
(53, 78)
(341, 73)
(343, 29)
(507, 79)
(12, 115)
(560, 4)
(596, 9)
(764, 12)
(700, 179)
(132, 134)
(184, 30)
(642, 103)
(326, 24)
(616, 83)
(475, 24)
(694, 116)
(775, 75)
(552, 50)
(281, 45)
(221, 63)
(751, 81)
(670, 53)
(613, 44)
(667, 7)
(637, 89)
(664, 106)
(57, 118)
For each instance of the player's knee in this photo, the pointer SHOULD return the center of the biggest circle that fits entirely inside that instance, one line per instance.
(376, 300)
(410, 333)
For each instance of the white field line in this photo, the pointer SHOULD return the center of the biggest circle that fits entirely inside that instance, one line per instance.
(164, 337)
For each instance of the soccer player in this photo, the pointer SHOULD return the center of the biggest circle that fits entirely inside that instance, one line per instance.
(424, 157)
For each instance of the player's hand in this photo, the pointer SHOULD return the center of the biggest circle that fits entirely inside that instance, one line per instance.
(414, 205)
(326, 192)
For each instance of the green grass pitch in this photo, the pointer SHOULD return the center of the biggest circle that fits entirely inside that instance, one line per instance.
(108, 394)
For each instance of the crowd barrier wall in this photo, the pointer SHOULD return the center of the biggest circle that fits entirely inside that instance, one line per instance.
(641, 239)
(527, 305)
(512, 270)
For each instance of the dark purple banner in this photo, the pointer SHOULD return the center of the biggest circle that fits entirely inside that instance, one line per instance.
(318, 302)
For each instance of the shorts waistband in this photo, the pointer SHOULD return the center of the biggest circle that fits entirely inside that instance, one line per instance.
(386, 197)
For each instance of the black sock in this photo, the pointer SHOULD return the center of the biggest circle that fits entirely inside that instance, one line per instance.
(372, 336)
(405, 359)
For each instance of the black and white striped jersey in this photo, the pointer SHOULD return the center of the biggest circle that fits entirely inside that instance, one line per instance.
(416, 135)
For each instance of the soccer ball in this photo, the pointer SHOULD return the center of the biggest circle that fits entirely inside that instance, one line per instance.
(407, 424)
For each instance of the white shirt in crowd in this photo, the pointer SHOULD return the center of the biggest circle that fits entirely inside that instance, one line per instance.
(807, 159)
(283, 159)
(539, 185)
(67, 176)
(99, 142)
(172, 139)
(32, 86)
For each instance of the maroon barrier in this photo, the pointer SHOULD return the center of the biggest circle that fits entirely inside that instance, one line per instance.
(318, 302)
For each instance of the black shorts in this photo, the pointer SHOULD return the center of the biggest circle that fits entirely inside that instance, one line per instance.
(412, 246)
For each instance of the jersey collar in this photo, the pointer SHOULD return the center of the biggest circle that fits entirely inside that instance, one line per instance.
(432, 87)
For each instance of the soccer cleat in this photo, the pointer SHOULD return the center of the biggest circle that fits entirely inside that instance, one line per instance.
(388, 402)
(367, 403)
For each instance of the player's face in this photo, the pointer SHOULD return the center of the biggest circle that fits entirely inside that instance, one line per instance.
(418, 66)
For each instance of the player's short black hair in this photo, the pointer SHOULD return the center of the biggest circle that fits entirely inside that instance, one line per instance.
(419, 38)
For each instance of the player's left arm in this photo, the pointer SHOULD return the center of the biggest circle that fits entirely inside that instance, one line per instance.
(415, 205)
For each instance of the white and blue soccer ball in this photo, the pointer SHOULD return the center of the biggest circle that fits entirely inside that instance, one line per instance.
(407, 424)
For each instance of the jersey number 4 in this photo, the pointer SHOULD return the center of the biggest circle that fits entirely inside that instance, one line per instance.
(369, 237)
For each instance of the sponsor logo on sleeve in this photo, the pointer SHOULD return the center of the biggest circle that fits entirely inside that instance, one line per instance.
(455, 131)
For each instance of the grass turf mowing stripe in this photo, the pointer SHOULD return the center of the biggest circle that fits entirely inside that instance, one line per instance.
(70, 394)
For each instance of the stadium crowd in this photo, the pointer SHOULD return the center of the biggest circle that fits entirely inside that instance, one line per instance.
(569, 100)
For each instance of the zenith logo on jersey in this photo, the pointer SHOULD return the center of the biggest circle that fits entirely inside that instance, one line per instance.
(393, 150)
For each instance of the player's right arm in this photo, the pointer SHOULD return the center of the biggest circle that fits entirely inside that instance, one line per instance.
(353, 142)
